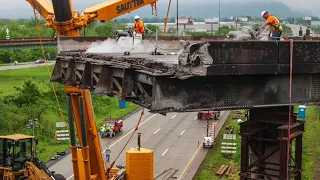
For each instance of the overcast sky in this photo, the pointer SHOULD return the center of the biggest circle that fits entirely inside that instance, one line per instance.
(22, 9)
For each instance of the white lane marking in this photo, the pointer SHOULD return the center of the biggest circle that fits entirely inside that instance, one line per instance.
(70, 177)
(157, 131)
(182, 132)
(173, 116)
(195, 117)
(121, 138)
(164, 152)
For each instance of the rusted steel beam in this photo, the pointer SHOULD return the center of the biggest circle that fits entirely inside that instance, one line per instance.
(270, 158)
(208, 75)
(166, 92)
(298, 156)
(25, 40)
(295, 130)
(22, 43)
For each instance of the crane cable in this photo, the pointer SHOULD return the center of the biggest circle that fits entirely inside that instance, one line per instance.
(47, 65)
(137, 127)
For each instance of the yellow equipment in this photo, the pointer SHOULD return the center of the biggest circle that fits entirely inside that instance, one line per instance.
(60, 16)
(87, 160)
(18, 159)
(139, 162)
(166, 19)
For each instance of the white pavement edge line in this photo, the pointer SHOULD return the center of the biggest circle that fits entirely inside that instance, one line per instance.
(157, 131)
(70, 177)
(182, 132)
(164, 152)
(173, 116)
(195, 117)
(194, 155)
(122, 138)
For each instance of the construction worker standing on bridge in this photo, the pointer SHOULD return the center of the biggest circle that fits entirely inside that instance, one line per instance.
(138, 26)
(274, 23)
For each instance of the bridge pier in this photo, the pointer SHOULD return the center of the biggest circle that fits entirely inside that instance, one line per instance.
(264, 144)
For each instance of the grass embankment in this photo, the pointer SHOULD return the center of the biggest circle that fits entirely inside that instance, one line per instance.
(13, 78)
(316, 30)
(311, 144)
(310, 157)
(16, 114)
(214, 159)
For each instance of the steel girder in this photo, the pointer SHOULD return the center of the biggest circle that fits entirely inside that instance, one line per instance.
(160, 91)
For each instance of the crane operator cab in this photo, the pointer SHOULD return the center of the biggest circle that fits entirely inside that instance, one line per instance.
(15, 151)
(18, 159)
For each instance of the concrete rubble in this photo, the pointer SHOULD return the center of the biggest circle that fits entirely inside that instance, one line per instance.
(192, 61)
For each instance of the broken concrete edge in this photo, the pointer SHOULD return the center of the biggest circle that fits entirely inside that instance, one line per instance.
(195, 54)
(161, 67)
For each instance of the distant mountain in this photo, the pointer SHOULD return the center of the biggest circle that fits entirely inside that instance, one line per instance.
(211, 9)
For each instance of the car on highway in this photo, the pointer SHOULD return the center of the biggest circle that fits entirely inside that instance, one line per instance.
(39, 61)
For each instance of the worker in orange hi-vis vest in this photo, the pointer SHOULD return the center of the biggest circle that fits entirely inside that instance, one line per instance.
(138, 26)
(274, 23)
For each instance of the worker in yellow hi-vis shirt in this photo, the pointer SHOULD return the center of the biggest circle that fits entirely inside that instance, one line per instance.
(275, 26)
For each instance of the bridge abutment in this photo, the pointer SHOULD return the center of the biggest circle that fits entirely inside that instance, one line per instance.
(265, 141)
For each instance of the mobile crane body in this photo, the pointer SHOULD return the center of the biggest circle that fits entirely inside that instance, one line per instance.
(87, 159)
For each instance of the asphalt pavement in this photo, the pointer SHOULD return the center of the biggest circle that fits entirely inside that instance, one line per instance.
(295, 29)
(174, 138)
(22, 66)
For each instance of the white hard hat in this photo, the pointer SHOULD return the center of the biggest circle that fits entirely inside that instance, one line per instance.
(262, 13)
(136, 17)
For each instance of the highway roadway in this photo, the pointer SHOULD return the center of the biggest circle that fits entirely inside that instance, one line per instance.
(174, 139)
(22, 66)
(295, 29)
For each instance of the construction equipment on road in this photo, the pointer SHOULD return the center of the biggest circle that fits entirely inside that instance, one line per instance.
(87, 159)
(115, 125)
(208, 140)
(128, 38)
(18, 159)
(209, 115)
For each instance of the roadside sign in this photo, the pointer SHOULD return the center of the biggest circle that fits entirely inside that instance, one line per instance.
(61, 124)
(61, 133)
(211, 20)
(228, 146)
(185, 21)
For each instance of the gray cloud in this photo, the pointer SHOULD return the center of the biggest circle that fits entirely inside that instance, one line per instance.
(22, 9)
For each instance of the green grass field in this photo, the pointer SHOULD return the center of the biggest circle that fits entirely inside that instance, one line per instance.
(104, 107)
(214, 159)
(11, 78)
(310, 157)
(311, 145)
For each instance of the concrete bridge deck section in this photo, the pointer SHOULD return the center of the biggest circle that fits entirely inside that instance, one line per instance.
(208, 75)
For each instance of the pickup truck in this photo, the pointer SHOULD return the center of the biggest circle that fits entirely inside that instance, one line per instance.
(116, 124)
(209, 115)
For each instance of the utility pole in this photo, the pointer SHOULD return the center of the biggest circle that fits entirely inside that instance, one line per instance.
(32, 124)
(177, 17)
(219, 20)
